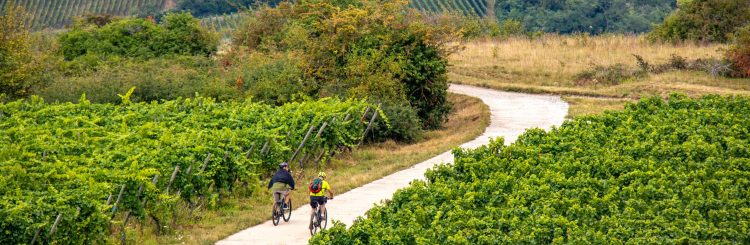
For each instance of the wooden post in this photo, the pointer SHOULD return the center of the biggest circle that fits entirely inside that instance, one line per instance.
(309, 131)
(369, 125)
(208, 158)
(171, 179)
(265, 146)
(36, 236)
(364, 115)
(54, 226)
(114, 208)
(109, 198)
(252, 146)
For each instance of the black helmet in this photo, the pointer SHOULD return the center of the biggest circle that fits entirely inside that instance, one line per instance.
(283, 164)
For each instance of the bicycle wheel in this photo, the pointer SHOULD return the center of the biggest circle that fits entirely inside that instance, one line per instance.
(324, 221)
(287, 213)
(313, 222)
(276, 214)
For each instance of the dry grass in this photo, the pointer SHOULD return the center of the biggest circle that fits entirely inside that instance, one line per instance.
(348, 171)
(548, 64)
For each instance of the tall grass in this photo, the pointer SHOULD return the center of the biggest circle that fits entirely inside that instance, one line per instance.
(549, 64)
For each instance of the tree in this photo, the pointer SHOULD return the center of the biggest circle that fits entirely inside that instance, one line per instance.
(371, 48)
(18, 67)
(703, 20)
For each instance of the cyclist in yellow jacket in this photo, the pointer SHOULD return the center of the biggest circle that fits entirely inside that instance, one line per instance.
(319, 198)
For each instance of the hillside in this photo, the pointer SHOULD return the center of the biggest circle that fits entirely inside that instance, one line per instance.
(467, 7)
(58, 13)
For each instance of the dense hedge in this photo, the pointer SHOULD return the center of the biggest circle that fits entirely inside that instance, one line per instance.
(675, 171)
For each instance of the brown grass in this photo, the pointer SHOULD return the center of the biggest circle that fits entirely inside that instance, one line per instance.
(366, 164)
(549, 64)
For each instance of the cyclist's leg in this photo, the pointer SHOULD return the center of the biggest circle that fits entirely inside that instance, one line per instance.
(277, 195)
(323, 201)
(286, 196)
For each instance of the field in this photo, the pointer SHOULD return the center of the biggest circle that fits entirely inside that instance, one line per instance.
(73, 170)
(466, 7)
(550, 64)
(657, 172)
(347, 171)
(59, 13)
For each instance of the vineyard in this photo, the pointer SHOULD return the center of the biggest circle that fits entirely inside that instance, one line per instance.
(222, 24)
(674, 171)
(466, 7)
(58, 13)
(72, 172)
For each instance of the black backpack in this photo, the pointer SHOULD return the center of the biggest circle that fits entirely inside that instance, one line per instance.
(316, 186)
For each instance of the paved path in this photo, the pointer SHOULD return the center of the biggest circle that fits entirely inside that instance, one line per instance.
(512, 113)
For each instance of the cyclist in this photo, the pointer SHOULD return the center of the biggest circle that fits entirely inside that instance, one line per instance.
(320, 198)
(281, 183)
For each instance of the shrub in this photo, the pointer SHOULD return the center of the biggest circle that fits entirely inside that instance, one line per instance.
(606, 75)
(377, 49)
(154, 80)
(739, 53)
(19, 67)
(703, 20)
(404, 124)
(179, 34)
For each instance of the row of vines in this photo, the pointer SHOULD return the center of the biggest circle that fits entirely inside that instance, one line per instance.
(222, 24)
(72, 171)
(466, 7)
(659, 172)
(58, 13)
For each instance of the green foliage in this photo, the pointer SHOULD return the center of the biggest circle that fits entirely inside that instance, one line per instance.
(203, 8)
(375, 49)
(18, 65)
(703, 20)
(178, 34)
(675, 171)
(155, 79)
(589, 16)
(739, 52)
(68, 158)
(403, 124)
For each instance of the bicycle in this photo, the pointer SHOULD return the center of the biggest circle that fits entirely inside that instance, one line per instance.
(317, 221)
(279, 212)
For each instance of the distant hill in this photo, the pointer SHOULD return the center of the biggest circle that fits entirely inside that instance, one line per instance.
(58, 13)
(466, 7)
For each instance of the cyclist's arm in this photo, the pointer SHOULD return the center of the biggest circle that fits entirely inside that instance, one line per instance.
(330, 193)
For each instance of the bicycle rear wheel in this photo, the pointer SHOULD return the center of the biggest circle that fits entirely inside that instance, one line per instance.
(287, 213)
(314, 222)
(276, 214)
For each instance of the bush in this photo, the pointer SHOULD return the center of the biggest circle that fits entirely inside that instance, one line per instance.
(154, 80)
(377, 49)
(19, 68)
(606, 75)
(179, 34)
(404, 124)
(739, 53)
(703, 20)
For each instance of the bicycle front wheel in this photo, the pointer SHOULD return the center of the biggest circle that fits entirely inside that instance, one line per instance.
(324, 221)
(287, 213)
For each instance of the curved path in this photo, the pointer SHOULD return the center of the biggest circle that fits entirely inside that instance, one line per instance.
(511, 115)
